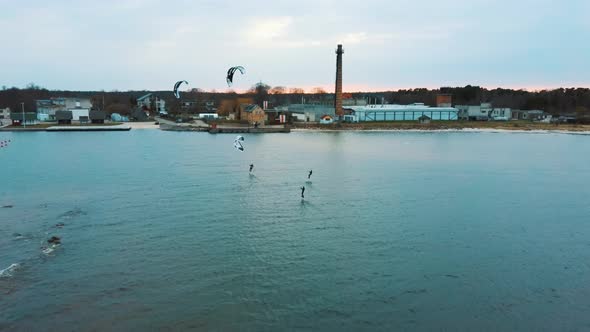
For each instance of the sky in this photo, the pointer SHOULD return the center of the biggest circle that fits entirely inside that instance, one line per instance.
(391, 44)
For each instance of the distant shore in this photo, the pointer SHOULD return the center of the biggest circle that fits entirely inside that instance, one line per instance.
(461, 126)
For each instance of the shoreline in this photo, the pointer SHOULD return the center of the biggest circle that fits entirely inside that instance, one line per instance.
(460, 127)
(453, 130)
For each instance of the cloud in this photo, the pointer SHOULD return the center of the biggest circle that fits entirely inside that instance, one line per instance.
(262, 30)
(353, 38)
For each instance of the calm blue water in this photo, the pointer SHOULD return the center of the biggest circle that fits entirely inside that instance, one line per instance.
(398, 231)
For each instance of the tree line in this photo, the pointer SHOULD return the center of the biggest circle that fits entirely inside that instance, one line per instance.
(557, 101)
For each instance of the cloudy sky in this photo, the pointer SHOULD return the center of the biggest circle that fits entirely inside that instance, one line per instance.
(390, 44)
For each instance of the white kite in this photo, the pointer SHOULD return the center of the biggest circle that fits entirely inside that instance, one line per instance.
(238, 143)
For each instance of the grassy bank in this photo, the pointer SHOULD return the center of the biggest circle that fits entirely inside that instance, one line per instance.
(444, 125)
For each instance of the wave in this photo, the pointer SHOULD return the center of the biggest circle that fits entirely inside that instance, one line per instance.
(50, 249)
(7, 272)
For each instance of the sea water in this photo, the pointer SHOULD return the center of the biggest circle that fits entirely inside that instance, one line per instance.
(397, 231)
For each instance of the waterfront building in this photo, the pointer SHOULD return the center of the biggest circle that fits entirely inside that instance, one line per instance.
(483, 112)
(97, 116)
(310, 112)
(5, 113)
(47, 108)
(64, 117)
(390, 112)
(20, 119)
(151, 102)
(531, 115)
(252, 113)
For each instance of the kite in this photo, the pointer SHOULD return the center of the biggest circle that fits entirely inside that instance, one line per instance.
(230, 74)
(238, 143)
(176, 86)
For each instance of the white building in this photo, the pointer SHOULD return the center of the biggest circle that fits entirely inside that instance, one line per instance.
(208, 116)
(390, 112)
(5, 113)
(4, 116)
(149, 101)
(46, 108)
(483, 112)
(78, 112)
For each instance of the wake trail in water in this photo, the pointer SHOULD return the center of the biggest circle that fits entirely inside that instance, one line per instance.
(8, 272)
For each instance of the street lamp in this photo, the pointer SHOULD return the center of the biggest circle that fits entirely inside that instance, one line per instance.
(24, 121)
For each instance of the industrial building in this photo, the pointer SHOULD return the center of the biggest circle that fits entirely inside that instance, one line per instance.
(310, 112)
(388, 112)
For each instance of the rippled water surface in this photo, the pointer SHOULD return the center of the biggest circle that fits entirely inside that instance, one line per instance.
(398, 231)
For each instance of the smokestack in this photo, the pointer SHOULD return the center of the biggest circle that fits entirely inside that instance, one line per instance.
(338, 101)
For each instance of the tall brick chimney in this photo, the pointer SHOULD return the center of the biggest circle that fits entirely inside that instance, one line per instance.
(338, 100)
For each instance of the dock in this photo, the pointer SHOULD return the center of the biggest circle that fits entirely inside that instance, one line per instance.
(89, 128)
(242, 130)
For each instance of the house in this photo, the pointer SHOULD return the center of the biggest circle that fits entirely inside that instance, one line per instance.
(424, 119)
(77, 113)
(277, 115)
(139, 115)
(64, 117)
(537, 115)
(4, 116)
(501, 114)
(326, 119)
(531, 115)
(151, 102)
(20, 119)
(196, 106)
(565, 119)
(483, 112)
(97, 116)
(474, 112)
(252, 113)
(47, 108)
(5, 113)
(145, 101)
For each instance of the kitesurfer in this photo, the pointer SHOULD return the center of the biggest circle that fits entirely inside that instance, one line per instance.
(302, 191)
(251, 167)
(309, 175)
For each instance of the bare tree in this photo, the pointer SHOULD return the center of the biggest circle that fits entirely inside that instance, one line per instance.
(296, 91)
(278, 90)
(318, 90)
